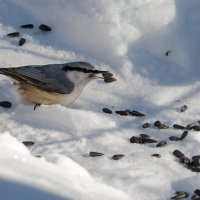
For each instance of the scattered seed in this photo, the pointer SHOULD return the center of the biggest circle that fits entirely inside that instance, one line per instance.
(197, 192)
(189, 126)
(146, 125)
(27, 26)
(117, 156)
(14, 34)
(180, 195)
(106, 110)
(136, 113)
(195, 169)
(177, 126)
(196, 160)
(184, 134)
(178, 154)
(45, 28)
(5, 104)
(109, 79)
(38, 156)
(167, 53)
(195, 197)
(156, 155)
(161, 144)
(28, 143)
(138, 140)
(22, 41)
(196, 127)
(163, 126)
(157, 123)
(184, 108)
(174, 138)
(148, 140)
(122, 112)
(184, 160)
(107, 74)
(94, 154)
(144, 136)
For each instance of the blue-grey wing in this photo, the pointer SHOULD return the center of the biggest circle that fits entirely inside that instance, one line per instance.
(48, 77)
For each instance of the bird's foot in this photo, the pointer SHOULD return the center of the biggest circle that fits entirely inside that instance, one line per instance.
(36, 105)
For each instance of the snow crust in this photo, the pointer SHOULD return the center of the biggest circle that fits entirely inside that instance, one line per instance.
(129, 38)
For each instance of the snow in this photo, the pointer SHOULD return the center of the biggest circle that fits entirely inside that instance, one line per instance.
(130, 39)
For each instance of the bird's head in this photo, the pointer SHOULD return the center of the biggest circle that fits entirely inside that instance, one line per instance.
(81, 72)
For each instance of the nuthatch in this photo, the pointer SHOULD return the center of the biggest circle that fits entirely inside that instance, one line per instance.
(52, 83)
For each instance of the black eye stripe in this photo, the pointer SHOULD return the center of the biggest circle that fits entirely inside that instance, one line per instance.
(84, 70)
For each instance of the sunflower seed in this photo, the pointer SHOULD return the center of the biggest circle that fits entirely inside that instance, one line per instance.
(156, 155)
(123, 113)
(136, 113)
(27, 26)
(107, 74)
(157, 123)
(196, 127)
(22, 41)
(178, 154)
(44, 27)
(138, 140)
(180, 195)
(109, 79)
(5, 104)
(184, 108)
(174, 138)
(161, 144)
(197, 192)
(144, 136)
(14, 34)
(117, 156)
(146, 125)
(184, 134)
(28, 143)
(177, 126)
(106, 110)
(94, 154)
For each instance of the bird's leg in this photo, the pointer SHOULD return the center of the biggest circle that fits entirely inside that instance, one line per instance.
(36, 105)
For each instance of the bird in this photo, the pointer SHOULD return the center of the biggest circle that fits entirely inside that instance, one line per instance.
(51, 83)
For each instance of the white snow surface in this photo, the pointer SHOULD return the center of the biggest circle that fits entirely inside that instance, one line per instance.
(130, 39)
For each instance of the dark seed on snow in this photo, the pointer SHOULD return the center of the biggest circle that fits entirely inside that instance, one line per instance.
(138, 140)
(44, 27)
(5, 104)
(195, 169)
(109, 79)
(180, 195)
(196, 160)
(27, 26)
(107, 74)
(184, 160)
(146, 125)
(195, 197)
(106, 110)
(136, 113)
(161, 144)
(174, 138)
(197, 192)
(28, 143)
(156, 155)
(163, 126)
(117, 156)
(177, 126)
(121, 112)
(178, 154)
(167, 53)
(144, 136)
(189, 126)
(148, 140)
(22, 41)
(184, 108)
(14, 34)
(196, 127)
(157, 123)
(184, 134)
(94, 154)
